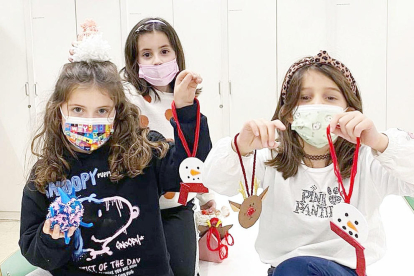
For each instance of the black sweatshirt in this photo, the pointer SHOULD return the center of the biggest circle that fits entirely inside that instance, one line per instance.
(127, 236)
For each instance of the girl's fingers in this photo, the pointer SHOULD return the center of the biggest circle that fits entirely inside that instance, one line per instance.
(351, 125)
(46, 227)
(254, 128)
(271, 129)
(363, 125)
(56, 232)
(337, 126)
(181, 76)
(274, 126)
(187, 80)
(71, 231)
(197, 78)
(260, 133)
(334, 122)
(279, 124)
(266, 128)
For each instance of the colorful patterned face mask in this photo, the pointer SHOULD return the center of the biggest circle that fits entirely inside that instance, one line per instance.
(88, 134)
(310, 122)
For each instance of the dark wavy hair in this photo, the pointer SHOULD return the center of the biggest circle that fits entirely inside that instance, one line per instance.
(130, 150)
(131, 69)
(290, 152)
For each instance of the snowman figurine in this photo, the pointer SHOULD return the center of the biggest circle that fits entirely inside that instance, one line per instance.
(351, 221)
(350, 224)
(191, 176)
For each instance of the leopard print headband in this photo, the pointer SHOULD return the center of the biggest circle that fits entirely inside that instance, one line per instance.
(321, 58)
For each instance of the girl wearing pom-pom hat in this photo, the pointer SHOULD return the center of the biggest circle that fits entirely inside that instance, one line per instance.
(91, 204)
(153, 58)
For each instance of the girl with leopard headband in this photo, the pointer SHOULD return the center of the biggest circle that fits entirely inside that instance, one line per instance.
(327, 173)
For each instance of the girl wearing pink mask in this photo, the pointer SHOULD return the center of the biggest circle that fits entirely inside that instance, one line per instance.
(153, 58)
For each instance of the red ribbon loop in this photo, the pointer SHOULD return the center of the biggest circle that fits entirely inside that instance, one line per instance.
(181, 134)
(345, 196)
(222, 249)
(242, 166)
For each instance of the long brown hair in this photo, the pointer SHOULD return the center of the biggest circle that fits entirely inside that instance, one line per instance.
(131, 69)
(130, 150)
(290, 151)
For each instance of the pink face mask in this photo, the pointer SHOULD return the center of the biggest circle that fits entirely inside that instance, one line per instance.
(159, 75)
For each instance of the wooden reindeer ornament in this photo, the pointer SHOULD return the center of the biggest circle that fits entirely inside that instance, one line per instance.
(251, 208)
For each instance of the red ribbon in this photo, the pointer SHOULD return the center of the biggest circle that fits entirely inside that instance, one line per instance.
(346, 197)
(189, 187)
(222, 249)
(359, 249)
(180, 132)
(242, 166)
(226, 237)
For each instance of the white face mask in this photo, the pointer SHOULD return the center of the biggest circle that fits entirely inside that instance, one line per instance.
(310, 122)
(88, 134)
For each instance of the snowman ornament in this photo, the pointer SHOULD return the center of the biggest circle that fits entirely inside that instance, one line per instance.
(347, 221)
(191, 168)
(350, 220)
(191, 176)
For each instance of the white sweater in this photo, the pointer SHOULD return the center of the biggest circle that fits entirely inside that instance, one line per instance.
(296, 211)
(156, 114)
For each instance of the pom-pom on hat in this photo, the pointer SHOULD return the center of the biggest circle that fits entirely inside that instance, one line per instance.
(91, 45)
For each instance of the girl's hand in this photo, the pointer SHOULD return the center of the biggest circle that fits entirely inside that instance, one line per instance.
(55, 233)
(72, 49)
(258, 134)
(352, 124)
(210, 206)
(185, 88)
(74, 45)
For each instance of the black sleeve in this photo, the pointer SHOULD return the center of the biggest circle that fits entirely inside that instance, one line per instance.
(167, 167)
(38, 248)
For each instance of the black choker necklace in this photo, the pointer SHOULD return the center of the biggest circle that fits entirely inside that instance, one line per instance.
(317, 157)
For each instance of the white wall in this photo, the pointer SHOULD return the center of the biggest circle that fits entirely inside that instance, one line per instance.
(14, 104)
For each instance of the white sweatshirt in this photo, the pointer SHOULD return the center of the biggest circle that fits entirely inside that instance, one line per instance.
(297, 211)
(156, 114)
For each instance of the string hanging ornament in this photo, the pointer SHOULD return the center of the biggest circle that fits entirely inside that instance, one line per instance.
(251, 207)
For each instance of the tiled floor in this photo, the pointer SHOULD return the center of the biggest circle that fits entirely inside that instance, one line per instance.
(9, 233)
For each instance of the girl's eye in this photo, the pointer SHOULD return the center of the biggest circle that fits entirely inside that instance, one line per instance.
(165, 51)
(77, 109)
(331, 98)
(102, 111)
(147, 55)
(304, 98)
